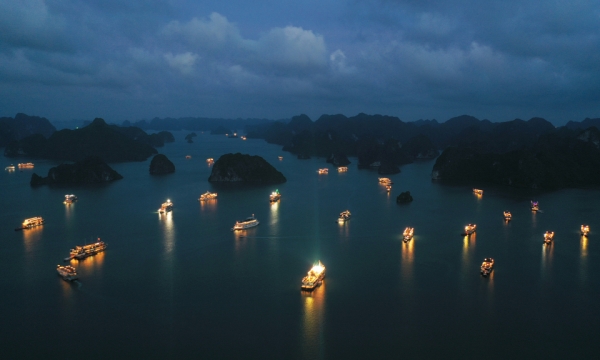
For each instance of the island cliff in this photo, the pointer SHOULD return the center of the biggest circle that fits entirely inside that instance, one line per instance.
(245, 168)
(161, 165)
(96, 139)
(91, 170)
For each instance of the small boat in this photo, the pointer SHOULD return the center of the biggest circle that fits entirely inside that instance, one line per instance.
(280, 158)
(470, 229)
(342, 169)
(275, 196)
(210, 160)
(477, 191)
(68, 273)
(487, 266)
(585, 230)
(385, 181)
(25, 165)
(31, 223)
(507, 216)
(323, 171)
(314, 278)
(344, 215)
(81, 252)
(243, 137)
(408, 234)
(535, 206)
(388, 188)
(188, 156)
(69, 199)
(548, 237)
(166, 207)
(245, 224)
(208, 196)
(10, 168)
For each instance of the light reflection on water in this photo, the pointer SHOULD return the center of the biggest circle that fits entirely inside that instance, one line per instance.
(547, 252)
(313, 322)
(584, 258)
(168, 231)
(31, 237)
(408, 252)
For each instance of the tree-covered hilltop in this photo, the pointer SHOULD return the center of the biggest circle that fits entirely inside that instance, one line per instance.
(97, 139)
(245, 168)
(21, 126)
(90, 170)
(562, 158)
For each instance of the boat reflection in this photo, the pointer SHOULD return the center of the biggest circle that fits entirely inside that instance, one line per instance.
(274, 218)
(406, 265)
(547, 252)
(313, 322)
(31, 237)
(584, 246)
(89, 263)
(168, 232)
(344, 229)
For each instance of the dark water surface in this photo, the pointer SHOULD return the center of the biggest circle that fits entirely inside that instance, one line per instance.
(184, 286)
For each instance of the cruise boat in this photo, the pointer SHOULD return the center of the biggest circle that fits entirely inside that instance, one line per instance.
(25, 165)
(470, 229)
(166, 207)
(188, 156)
(314, 278)
(210, 160)
(344, 215)
(535, 206)
(548, 237)
(69, 199)
(245, 224)
(507, 216)
(487, 266)
(81, 252)
(280, 158)
(477, 191)
(323, 171)
(10, 167)
(208, 196)
(342, 169)
(31, 223)
(385, 181)
(67, 272)
(275, 196)
(408, 234)
(585, 230)
(243, 137)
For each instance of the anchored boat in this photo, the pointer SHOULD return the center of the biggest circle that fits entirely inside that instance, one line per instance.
(535, 206)
(275, 196)
(487, 266)
(323, 171)
(165, 207)
(585, 230)
(470, 229)
(208, 196)
(31, 223)
(68, 273)
(245, 224)
(507, 216)
(408, 234)
(477, 191)
(81, 252)
(69, 199)
(314, 278)
(344, 215)
(548, 237)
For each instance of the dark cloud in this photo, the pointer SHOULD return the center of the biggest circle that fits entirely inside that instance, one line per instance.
(414, 59)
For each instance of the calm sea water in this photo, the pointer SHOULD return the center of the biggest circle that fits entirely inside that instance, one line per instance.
(184, 286)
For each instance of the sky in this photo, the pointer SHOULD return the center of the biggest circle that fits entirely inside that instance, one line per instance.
(414, 59)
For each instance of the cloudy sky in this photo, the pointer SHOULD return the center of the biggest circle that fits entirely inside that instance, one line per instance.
(415, 59)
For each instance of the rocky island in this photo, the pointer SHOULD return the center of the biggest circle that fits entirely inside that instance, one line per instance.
(96, 139)
(91, 170)
(244, 168)
(161, 165)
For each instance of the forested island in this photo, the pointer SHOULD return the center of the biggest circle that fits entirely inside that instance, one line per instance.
(518, 153)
